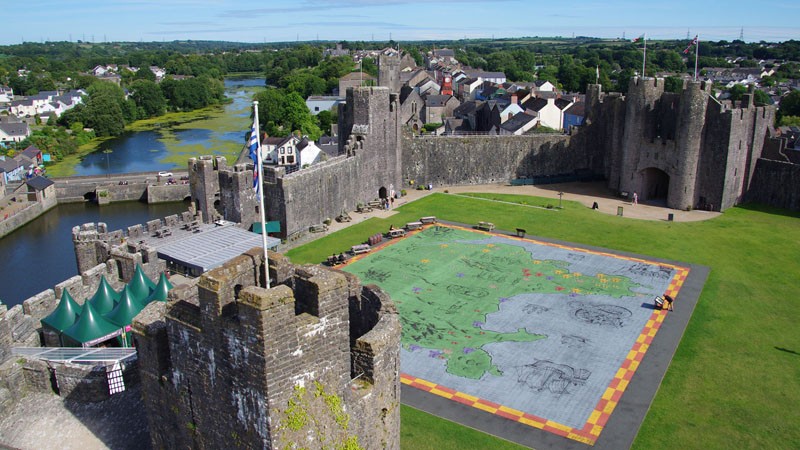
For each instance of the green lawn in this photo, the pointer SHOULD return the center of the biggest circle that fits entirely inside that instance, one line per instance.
(735, 379)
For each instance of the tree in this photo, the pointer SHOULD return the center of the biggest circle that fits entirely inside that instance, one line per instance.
(148, 98)
(673, 84)
(326, 119)
(103, 110)
(790, 104)
(760, 98)
(144, 73)
(737, 91)
(298, 117)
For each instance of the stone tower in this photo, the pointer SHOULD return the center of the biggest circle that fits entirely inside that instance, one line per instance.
(686, 149)
(220, 362)
(204, 185)
(389, 71)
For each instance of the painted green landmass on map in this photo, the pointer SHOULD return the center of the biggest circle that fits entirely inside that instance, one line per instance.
(445, 288)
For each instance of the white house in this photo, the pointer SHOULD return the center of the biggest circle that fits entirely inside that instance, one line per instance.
(6, 94)
(309, 152)
(468, 88)
(319, 103)
(280, 151)
(544, 86)
(518, 124)
(510, 111)
(14, 132)
(549, 110)
(494, 77)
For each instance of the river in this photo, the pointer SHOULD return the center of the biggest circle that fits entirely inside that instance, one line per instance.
(170, 147)
(40, 255)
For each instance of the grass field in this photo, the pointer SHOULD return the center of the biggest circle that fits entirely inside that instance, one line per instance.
(735, 379)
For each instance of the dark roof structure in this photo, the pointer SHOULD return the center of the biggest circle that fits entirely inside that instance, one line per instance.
(39, 183)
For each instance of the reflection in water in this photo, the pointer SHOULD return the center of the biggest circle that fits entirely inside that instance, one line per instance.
(142, 151)
(40, 255)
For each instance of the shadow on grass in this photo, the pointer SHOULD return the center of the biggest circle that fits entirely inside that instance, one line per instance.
(769, 210)
(787, 351)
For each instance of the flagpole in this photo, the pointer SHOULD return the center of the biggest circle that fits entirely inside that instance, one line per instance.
(696, 55)
(260, 191)
(644, 55)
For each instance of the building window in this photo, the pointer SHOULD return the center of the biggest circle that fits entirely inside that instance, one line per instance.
(290, 159)
(283, 150)
(316, 108)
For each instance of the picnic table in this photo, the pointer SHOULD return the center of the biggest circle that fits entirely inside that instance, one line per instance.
(428, 219)
(486, 226)
(397, 233)
(360, 248)
(413, 225)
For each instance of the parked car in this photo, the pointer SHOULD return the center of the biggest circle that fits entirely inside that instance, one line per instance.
(165, 174)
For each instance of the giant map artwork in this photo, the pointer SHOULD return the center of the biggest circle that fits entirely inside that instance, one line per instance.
(544, 334)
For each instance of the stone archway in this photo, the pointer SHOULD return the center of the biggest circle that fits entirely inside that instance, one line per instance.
(383, 193)
(655, 184)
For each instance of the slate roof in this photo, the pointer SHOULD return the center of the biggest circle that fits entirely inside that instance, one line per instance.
(577, 109)
(562, 103)
(39, 183)
(9, 165)
(276, 141)
(436, 101)
(15, 129)
(518, 121)
(444, 52)
(535, 104)
(466, 108)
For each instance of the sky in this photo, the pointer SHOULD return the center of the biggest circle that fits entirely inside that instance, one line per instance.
(381, 20)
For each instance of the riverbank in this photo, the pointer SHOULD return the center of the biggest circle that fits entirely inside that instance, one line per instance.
(66, 166)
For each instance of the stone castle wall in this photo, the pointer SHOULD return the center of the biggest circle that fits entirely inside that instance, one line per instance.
(460, 160)
(772, 184)
(370, 164)
(219, 366)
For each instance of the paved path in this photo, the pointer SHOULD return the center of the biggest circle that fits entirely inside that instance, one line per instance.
(583, 193)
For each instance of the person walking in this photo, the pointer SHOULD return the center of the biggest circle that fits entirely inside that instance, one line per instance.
(635, 199)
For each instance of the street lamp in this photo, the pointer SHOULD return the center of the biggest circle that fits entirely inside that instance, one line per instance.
(560, 194)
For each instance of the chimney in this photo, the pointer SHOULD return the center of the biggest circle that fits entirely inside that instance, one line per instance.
(514, 99)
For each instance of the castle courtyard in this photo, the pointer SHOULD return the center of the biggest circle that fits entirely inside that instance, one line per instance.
(547, 335)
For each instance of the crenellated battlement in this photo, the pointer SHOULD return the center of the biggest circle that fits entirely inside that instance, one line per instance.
(229, 348)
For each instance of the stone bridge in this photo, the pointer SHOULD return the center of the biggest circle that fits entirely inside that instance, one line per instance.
(141, 186)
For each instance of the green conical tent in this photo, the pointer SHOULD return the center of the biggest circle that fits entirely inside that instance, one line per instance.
(127, 308)
(140, 286)
(105, 297)
(90, 327)
(161, 290)
(65, 314)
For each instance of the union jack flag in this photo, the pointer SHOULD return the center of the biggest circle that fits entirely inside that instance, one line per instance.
(689, 47)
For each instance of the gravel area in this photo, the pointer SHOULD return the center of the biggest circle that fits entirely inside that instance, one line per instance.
(45, 421)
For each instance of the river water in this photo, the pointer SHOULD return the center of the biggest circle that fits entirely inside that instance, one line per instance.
(40, 255)
(146, 151)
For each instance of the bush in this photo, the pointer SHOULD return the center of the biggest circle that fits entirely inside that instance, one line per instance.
(402, 192)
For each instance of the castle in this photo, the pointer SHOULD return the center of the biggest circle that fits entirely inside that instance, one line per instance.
(683, 150)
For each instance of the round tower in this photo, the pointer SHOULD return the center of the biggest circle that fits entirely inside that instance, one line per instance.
(688, 141)
(643, 93)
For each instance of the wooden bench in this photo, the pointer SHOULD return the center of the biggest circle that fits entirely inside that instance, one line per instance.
(486, 226)
(428, 219)
(413, 225)
(318, 228)
(361, 248)
(397, 233)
